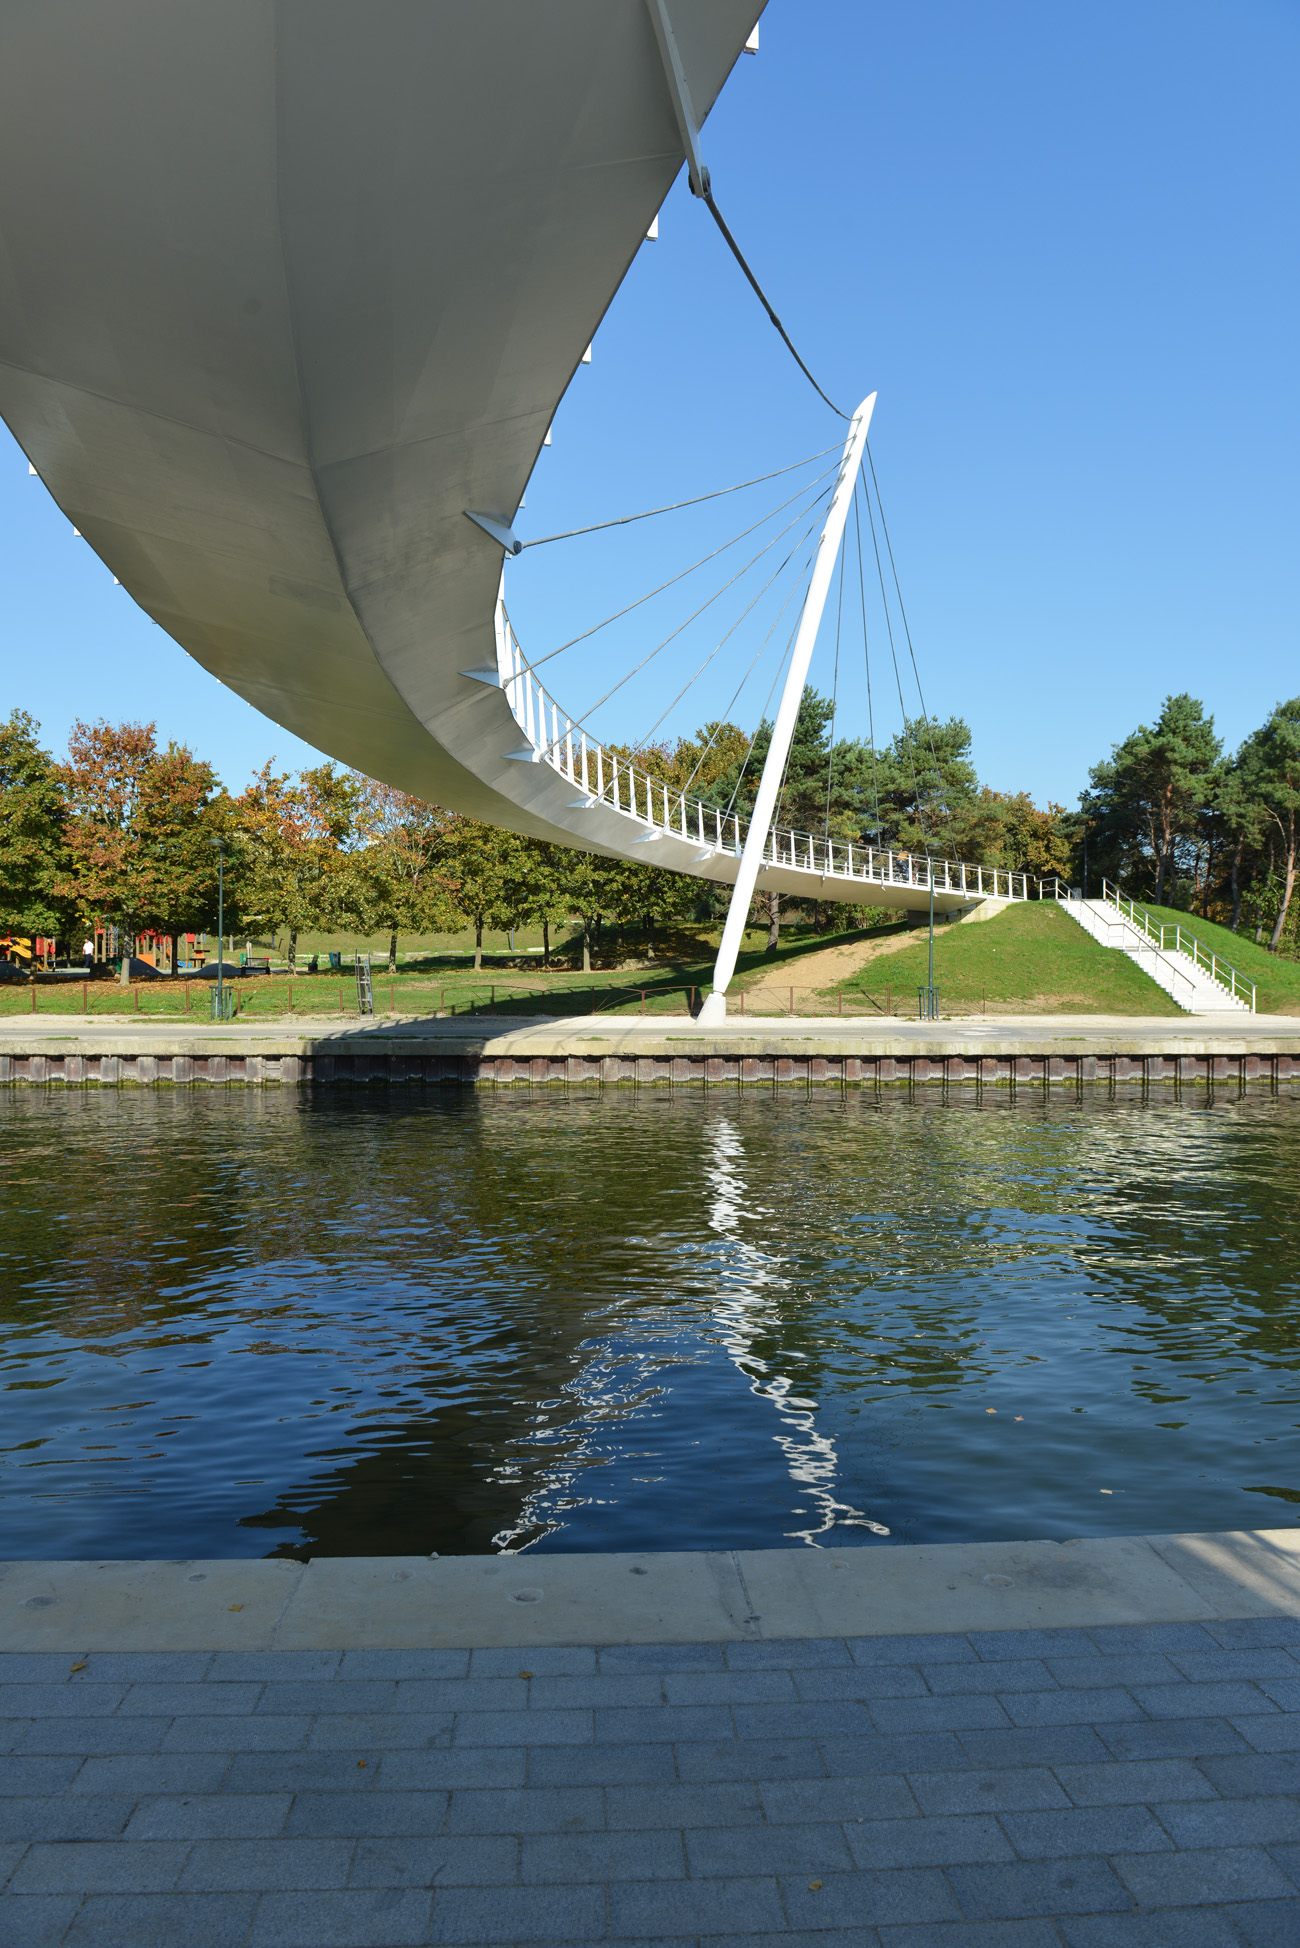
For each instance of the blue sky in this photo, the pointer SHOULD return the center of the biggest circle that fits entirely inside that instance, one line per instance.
(1058, 241)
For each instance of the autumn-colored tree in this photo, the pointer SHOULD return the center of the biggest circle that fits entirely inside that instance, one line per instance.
(404, 862)
(34, 861)
(292, 844)
(139, 831)
(1028, 840)
(275, 877)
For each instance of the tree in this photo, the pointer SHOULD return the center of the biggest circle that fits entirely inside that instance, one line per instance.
(35, 864)
(484, 867)
(276, 873)
(180, 811)
(1028, 840)
(1270, 768)
(1240, 819)
(928, 789)
(536, 888)
(139, 831)
(403, 861)
(1148, 796)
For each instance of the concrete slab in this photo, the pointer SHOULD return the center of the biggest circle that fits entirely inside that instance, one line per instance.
(79, 1606)
(1235, 1566)
(969, 1586)
(405, 1603)
(411, 1602)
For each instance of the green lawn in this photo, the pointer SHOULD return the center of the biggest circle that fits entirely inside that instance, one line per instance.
(1030, 960)
(442, 983)
(1277, 979)
(438, 985)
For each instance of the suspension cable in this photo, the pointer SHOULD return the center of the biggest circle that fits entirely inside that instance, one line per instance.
(598, 527)
(730, 706)
(835, 695)
(762, 297)
(785, 657)
(642, 742)
(701, 563)
(898, 588)
(866, 656)
(694, 617)
(911, 758)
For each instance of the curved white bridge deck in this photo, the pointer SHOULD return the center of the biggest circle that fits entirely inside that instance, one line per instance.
(616, 806)
(288, 288)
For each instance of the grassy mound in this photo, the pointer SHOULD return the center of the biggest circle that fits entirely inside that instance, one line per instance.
(1030, 960)
(1277, 980)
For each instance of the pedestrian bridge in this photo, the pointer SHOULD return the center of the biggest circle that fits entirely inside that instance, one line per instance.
(400, 229)
(627, 811)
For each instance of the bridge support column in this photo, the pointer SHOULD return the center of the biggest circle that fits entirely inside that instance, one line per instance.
(828, 547)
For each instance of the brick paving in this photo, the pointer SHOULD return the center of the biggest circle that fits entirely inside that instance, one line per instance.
(1130, 1787)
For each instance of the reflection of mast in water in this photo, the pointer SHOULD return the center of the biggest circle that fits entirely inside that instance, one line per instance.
(743, 1276)
(618, 1379)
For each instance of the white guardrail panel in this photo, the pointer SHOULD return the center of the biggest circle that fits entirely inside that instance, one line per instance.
(626, 787)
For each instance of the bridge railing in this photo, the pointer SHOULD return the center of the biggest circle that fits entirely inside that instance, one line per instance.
(611, 779)
(1172, 936)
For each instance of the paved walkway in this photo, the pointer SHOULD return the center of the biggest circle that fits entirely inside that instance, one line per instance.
(1109, 1787)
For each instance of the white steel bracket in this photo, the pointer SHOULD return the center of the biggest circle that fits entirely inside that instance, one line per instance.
(501, 531)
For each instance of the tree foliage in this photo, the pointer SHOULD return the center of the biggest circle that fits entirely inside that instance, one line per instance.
(35, 863)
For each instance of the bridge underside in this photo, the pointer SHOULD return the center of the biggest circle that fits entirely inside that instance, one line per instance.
(286, 286)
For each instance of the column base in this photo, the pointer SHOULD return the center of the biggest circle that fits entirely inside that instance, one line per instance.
(713, 1010)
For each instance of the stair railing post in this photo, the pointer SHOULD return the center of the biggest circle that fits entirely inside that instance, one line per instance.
(828, 547)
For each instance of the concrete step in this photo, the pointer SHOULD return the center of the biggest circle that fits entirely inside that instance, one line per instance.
(1186, 983)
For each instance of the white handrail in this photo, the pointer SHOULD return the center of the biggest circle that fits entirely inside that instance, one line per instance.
(571, 750)
(1184, 943)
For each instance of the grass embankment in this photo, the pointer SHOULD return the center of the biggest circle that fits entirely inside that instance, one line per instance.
(1030, 960)
(1277, 979)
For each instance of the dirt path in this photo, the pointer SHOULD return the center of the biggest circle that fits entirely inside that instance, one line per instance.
(822, 970)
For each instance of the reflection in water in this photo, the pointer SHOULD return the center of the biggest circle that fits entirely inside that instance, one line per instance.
(746, 1274)
(340, 1323)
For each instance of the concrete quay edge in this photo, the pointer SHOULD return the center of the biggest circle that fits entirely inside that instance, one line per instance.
(457, 1602)
(598, 1049)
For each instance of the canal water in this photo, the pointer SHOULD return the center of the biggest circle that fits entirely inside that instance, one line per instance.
(245, 1323)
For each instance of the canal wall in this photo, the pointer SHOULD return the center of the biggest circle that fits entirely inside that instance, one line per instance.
(1047, 1051)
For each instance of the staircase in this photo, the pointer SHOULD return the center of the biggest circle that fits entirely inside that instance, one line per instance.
(1193, 977)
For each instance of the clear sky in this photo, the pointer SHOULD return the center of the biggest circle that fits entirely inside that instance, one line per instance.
(1059, 241)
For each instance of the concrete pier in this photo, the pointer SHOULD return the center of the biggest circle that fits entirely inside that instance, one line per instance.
(1066, 1049)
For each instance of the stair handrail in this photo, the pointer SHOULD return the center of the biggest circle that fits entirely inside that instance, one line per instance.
(1221, 972)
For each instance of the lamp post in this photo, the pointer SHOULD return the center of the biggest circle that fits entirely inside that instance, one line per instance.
(221, 925)
(929, 863)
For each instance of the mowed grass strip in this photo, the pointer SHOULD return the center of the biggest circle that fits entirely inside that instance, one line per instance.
(1276, 978)
(666, 988)
(1030, 960)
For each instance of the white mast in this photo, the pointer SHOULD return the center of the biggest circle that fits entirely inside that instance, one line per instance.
(828, 547)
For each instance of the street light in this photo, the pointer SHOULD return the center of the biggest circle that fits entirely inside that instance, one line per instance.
(929, 1010)
(221, 925)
